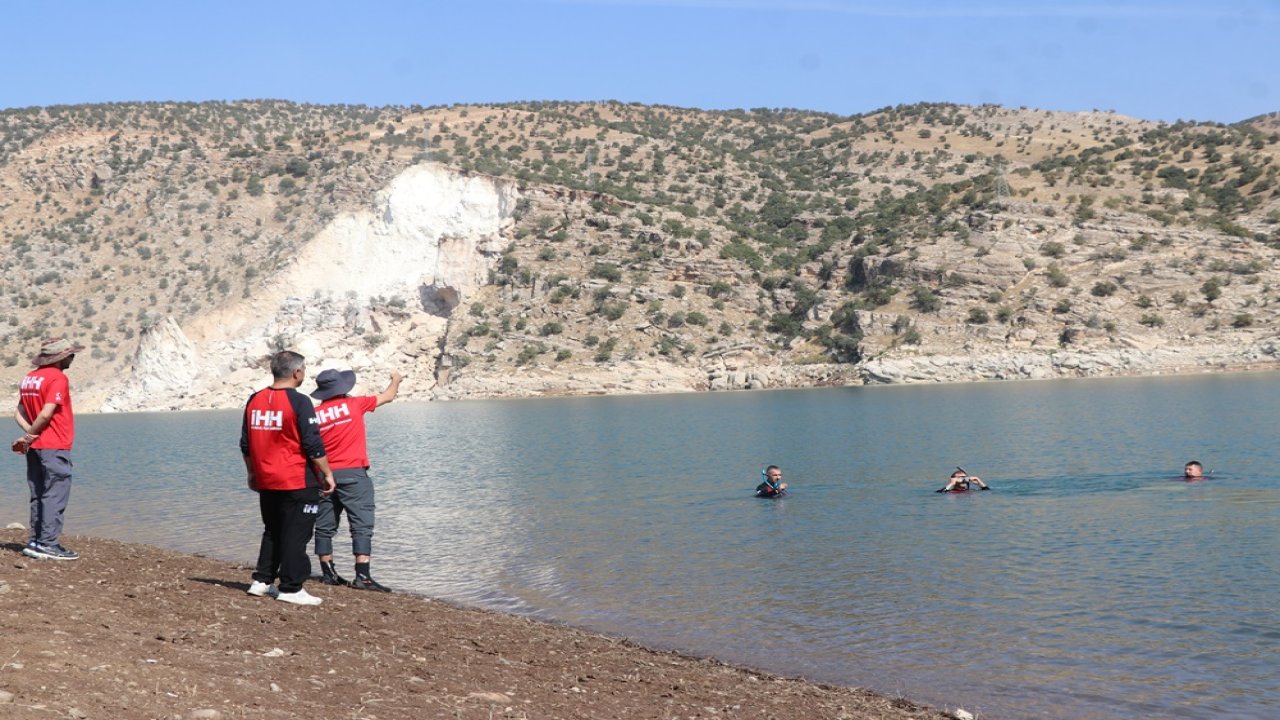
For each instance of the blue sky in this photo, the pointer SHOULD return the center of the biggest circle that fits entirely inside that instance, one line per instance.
(1153, 59)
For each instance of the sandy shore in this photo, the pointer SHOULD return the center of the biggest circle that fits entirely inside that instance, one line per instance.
(132, 631)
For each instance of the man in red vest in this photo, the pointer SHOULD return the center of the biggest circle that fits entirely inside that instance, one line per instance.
(341, 417)
(280, 439)
(48, 430)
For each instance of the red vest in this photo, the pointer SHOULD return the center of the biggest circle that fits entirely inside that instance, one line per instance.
(279, 435)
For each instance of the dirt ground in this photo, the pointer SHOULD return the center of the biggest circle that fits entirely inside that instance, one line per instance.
(131, 631)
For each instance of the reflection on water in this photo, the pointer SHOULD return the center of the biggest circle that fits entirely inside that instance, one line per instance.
(1090, 583)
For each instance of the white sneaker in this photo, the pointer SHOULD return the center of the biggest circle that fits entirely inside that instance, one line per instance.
(302, 597)
(258, 589)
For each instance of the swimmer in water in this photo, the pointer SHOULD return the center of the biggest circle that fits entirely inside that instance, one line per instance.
(960, 482)
(1193, 471)
(772, 487)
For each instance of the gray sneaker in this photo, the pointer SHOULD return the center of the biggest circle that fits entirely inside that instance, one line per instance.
(49, 552)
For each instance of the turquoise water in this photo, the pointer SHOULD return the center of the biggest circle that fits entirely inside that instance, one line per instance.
(1088, 584)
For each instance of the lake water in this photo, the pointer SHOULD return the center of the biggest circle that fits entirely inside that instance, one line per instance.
(1087, 584)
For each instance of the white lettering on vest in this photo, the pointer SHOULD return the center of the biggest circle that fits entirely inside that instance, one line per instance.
(267, 419)
(331, 414)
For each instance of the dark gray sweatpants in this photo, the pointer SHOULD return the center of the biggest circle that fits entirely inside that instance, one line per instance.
(49, 479)
(355, 495)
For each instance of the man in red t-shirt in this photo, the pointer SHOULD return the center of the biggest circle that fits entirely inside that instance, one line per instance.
(280, 439)
(48, 430)
(341, 419)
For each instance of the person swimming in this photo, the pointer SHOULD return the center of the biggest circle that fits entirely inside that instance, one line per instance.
(772, 487)
(960, 481)
(1193, 471)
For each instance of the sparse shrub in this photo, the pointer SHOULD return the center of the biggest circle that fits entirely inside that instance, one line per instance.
(978, 316)
(605, 352)
(924, 299)
(1053, 249)
(720, 288)
(529, 352)
(1211, 289)
(606, 271)
(1104, 288)
(613, 310)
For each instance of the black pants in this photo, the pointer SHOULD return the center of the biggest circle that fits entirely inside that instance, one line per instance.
(288, 518)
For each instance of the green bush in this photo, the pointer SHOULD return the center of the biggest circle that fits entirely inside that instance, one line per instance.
(1053, 249)
(924, 299)
(1057, 278)
(1211, 289)
(1104, 288)
(605, 352)
(606, 271)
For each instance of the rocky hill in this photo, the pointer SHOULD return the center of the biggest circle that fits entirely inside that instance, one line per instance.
(551, 248)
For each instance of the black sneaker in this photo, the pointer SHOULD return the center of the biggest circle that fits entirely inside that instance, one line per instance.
(50, 552)
(329, 575)
(364, 582)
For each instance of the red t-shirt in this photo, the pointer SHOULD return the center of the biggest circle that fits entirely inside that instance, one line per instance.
(39, 388)
(342, 427)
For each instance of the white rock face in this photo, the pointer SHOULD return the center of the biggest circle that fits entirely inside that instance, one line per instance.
(433, 228)
(371, 292)
(163, 367)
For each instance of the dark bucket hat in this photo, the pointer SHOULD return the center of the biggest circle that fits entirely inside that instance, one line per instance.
(332, 383)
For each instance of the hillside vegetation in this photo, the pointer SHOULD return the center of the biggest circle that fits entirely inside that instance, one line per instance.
(705, 242)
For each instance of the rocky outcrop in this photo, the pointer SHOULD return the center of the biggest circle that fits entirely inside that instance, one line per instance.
(164, 372)
(373, 292)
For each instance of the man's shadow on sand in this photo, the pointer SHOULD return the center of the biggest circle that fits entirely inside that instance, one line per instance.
(232, 584)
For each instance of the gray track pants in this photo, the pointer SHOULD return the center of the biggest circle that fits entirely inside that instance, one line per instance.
(49, 479)
(355, 496)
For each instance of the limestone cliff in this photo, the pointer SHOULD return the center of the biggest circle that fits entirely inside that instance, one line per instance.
(373, 291)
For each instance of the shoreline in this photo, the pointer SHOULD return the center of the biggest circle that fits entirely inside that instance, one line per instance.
(137, 631)
(562, 393)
